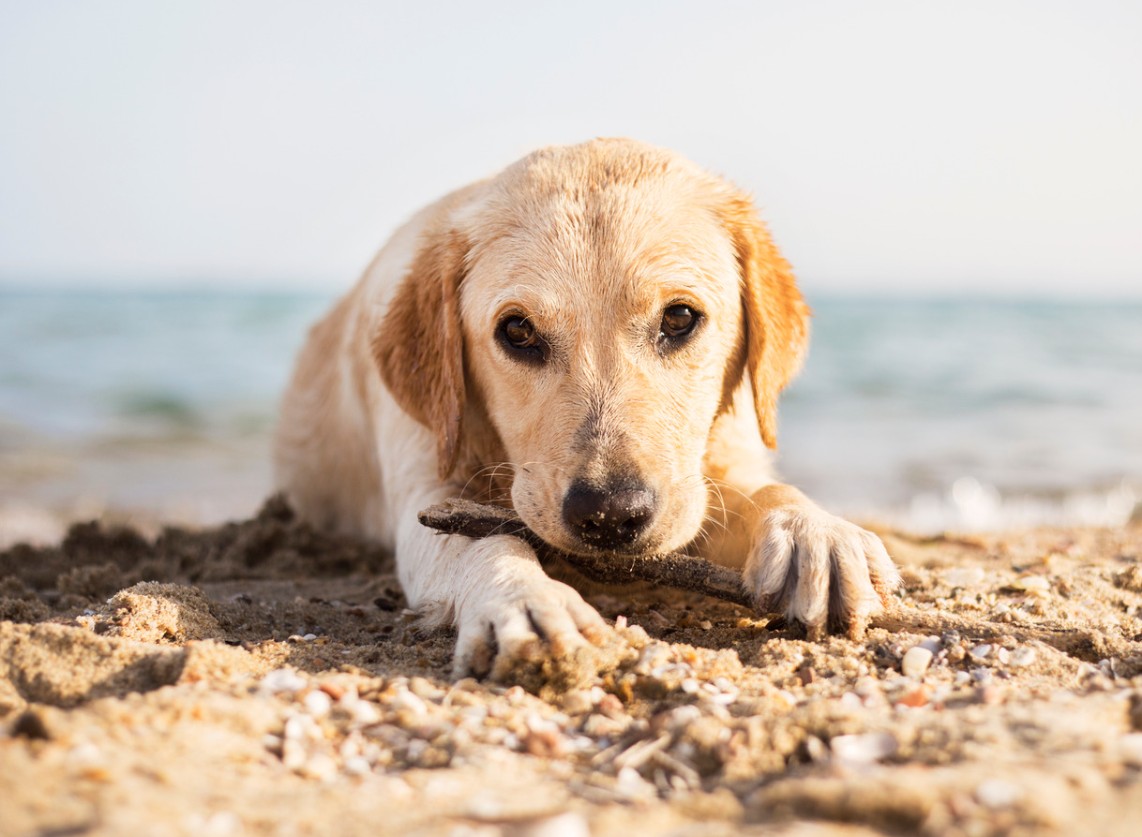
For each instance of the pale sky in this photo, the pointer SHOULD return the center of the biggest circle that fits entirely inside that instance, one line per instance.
(893, 146)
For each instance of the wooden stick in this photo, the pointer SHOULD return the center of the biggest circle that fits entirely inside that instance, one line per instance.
(673, 569)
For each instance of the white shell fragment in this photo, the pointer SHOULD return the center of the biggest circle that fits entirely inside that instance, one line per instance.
(997, 793)
(916, 661)
(1024, 656)
(981, 652)
(864, 748)
(1032, 583)
(964, 577)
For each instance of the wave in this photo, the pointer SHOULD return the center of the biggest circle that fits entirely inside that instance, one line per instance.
(970, 504)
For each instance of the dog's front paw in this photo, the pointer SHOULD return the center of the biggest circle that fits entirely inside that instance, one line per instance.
(819, 570)
(504, 628)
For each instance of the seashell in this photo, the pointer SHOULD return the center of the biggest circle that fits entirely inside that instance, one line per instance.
(317, 703)
(997, 794)
(864, 748)
(1024, 656)
(1032, 583)
(964, 577)
(282, 680)
(916, 661)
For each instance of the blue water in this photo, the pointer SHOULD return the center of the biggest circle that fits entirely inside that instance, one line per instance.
(1015, 410)
(927, 413)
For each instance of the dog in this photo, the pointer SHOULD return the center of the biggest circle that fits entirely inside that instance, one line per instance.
(597, 337)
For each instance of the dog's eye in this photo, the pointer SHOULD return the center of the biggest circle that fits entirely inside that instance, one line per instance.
(677, 323)
(519, 335)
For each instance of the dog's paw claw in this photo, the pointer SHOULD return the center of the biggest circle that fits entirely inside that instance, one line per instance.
(501, 635)
(820, 571)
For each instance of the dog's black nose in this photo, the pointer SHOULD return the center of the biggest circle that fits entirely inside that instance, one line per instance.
(607, 518)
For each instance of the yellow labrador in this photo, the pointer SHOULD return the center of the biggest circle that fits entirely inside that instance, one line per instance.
(598, 336)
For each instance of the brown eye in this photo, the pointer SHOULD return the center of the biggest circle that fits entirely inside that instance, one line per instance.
(677, 323)
(519, 336)
(520, 333)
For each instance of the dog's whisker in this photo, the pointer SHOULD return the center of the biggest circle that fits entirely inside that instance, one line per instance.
(721, 501)
(718, 485)
(494, 472)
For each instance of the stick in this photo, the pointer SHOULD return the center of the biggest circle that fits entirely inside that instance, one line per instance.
(672, 569)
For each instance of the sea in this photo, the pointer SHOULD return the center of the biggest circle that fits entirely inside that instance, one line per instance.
(959, 414)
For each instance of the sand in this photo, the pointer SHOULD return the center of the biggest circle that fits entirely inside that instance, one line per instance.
(261, 678)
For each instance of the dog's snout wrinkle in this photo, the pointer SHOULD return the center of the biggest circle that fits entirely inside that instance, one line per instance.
(608, 517)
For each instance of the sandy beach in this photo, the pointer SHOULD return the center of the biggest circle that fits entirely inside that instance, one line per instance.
(260, 678)
(238, 256)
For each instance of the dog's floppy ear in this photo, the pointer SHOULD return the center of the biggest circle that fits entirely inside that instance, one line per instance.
(419, 345)
(776, 316)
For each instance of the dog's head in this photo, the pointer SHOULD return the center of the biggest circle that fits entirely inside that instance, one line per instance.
(582, 319)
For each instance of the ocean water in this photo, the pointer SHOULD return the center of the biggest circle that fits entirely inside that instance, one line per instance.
(927, 414)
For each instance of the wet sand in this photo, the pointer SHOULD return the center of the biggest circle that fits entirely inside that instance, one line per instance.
(261, 678)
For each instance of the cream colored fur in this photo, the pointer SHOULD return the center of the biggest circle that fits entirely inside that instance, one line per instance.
(406, 394)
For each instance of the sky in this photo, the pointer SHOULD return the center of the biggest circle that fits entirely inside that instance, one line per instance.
(893, 147)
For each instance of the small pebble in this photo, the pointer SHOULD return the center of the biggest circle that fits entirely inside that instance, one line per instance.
(864, 748)
(981, 652)
(567, 824)
(680, 718)
(85, 756)
(914, 698)
(333, 690)
(1023, 656)
(787, 697)
(612, 707)
(1130, 747)
(578, 702)
(997, 793)
(318, 704)
(357, 766)
(964, 577)
(282, 680)
(916, 661)
(989, 695)
(1032, 583)
(932, 643)
(816, 750)
(424, 688)
(632, 786)
(600, 726)
(405, 699)
(654, 656)
(320, 767)
(363, 713)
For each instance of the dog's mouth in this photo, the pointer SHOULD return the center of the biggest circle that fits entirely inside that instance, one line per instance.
(591, 544)
(642, 549)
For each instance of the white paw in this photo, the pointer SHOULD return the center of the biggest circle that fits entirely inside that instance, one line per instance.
(819, 570)
(502, 626)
